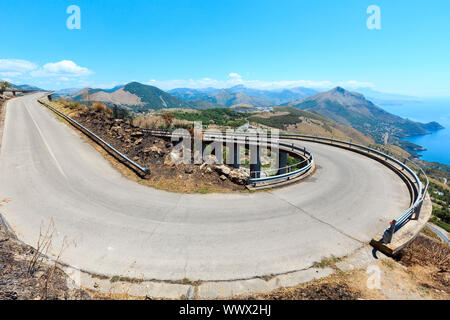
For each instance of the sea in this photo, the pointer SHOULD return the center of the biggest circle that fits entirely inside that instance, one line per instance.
(438, 142)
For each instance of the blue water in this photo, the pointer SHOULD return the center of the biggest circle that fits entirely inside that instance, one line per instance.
(438, 142)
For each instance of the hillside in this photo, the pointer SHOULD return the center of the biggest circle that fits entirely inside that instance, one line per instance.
(293, 120)
(28, 87)
(139, 97)
(154, 98)
(22, 86)
(353, 109)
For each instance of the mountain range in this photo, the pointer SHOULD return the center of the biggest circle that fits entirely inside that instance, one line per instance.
(140, 96)
(345, 107)
(241, 95)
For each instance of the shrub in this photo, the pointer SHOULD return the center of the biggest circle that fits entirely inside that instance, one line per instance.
(99, 107)
(168, 118)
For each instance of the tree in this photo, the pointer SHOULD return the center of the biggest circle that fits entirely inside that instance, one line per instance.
(4, 85)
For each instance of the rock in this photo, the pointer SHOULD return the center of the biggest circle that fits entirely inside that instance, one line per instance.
(208, 170)
(223, 169)
(175, 156)
(156, 150)
(239, 176)
(137, 134)
(169, 145)
(188, 170)
(211, 159)
(153, 149)
(168, 161)
(223, 178)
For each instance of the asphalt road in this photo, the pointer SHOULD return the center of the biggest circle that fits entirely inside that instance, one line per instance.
(117, 227)
(441, 233)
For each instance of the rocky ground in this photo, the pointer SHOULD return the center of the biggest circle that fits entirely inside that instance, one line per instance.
(158, 155)
(25, 276)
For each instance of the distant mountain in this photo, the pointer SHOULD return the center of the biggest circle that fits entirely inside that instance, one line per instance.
(67, 91)
(223, 97)
(353, 109)
(25, 87)
(201, 104)
(240, 94)
(229, 98)
(275, 97)
(187, 94)
(28, 87)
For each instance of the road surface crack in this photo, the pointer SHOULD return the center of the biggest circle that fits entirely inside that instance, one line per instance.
(317, 219)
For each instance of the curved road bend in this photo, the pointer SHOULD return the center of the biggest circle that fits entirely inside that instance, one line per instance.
(118, 227)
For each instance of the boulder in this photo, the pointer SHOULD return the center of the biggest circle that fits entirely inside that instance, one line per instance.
(153, 149)
(168, 161)
(137, 134)
(211, 159)
(223, 169)
(239, 176)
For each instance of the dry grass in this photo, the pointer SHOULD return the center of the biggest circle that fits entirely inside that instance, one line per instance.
(327, 263)
(100, 107)
(156, 122)
(425, 251)
(334, 287)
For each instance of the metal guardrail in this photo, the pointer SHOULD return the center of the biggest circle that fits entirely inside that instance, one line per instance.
(141, 171)
(302, 152)
(309, 163)
(421, 190)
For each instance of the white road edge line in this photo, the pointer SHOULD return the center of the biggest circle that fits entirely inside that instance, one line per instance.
(46, 144)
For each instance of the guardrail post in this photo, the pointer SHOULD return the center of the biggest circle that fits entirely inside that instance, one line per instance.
(417, 211)
(235, 154)
(255, 163)
(389, 233)
(282, 161)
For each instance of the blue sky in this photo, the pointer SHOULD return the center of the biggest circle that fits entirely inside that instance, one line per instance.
(259, 43)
